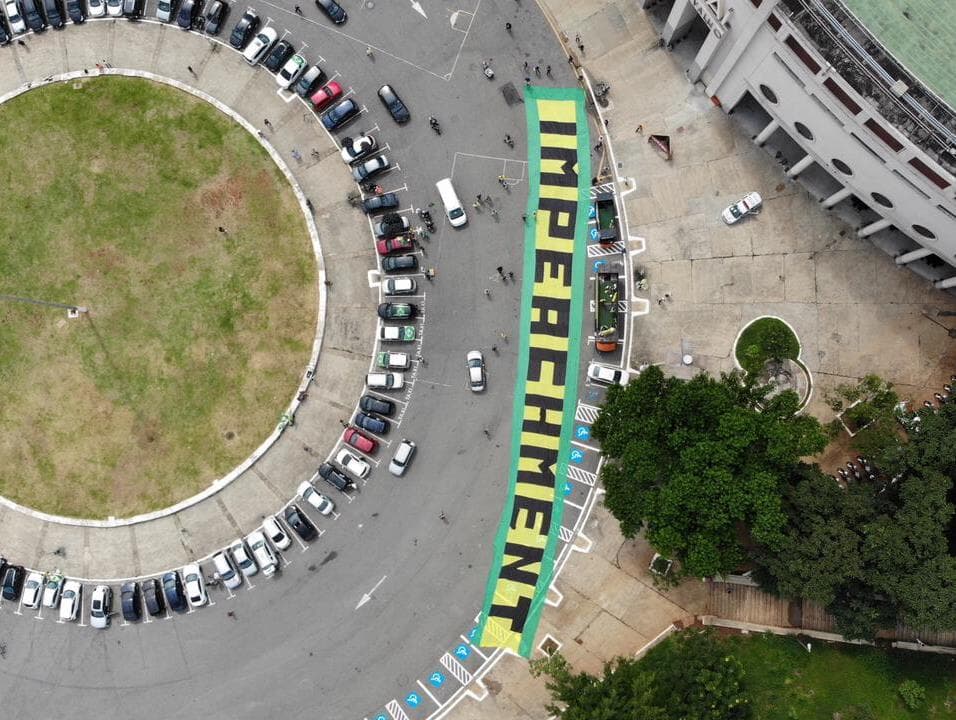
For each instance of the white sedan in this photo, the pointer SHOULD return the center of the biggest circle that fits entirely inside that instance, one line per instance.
(260, 45)
(354, 149)
(195, 585)
(70, 601)
(13, 15)
(276, 534)
(243, 558)
(114, 8)
(400, 286)
(475, 362)
(52, 590)
(354, 464)
(290, 72)
(101, 606)
(747, 205)
(32, 590)
(315, 498)
(606, 375)
(98, 8)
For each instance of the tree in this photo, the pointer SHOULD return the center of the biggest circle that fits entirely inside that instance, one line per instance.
(690, 675)
(699, 464)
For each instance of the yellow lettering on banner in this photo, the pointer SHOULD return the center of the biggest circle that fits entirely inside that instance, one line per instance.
(503, 635)
(508, 591)
(541, 441)
(546, 242)
(557, 110)
(533, 537)
(536, 492)
(533, 413)
(549, 342)
(554, 140)
(543, 387)
(552, 282)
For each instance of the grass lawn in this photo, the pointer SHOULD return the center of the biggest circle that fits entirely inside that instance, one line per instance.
(114, 190)
(788, 683)
(765, 339)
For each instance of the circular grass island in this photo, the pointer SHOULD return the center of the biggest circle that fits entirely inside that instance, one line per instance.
(768, 348)
(176, 230)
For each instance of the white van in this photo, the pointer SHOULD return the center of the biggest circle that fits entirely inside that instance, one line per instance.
(453, 209)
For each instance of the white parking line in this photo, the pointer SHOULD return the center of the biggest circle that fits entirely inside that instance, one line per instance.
(428, 692)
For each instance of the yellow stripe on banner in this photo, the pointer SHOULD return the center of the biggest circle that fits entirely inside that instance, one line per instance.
(565, 111)
(540, 441)
(554, 140)
(530, 490)
(545, 242)
(549, 342)
(556, 192)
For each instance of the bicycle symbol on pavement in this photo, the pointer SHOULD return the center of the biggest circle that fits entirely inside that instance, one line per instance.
(413, 699)
(577, 456)
(437, 679)
(462, 651)
(567, 489)
(582, 432)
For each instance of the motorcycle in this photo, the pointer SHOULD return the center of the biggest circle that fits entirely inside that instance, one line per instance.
(426, 217)
(435, 126)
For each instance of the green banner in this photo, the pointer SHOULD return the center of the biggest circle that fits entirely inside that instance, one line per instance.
(552, 299)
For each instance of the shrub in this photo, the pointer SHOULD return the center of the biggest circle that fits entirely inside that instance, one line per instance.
(913, 694)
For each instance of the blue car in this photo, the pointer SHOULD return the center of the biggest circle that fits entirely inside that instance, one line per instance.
(340, 114)
(373, 424)
(173, 590)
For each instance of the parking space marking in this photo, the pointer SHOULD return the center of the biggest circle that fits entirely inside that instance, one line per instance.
(456, 669)
(582, 476)
(585, 446)
(474, 647)
(395, 710)
(428, 693)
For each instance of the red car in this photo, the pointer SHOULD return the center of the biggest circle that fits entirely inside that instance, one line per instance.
(393, 245)
(326, 94)
(359, 441)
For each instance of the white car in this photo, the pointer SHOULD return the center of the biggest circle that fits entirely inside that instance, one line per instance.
(393, 360)
(101, 606)
(400, 286)
(260, 45)
(97, 8)
(247, 566)
(226, 570)
(290, 72)
(402, 458)
(195, 585)
(315, 498)
(33, 590)
(273, 529)
(354, 149)
(385, 381)
(70, 600)
(367, 169)
(164, 10)
(475, 363)
(52, 591)
(397, 333)
(114, 8)
(606, 375)
(12, 11)
(355, 465)
(748, 204)
(262, 552)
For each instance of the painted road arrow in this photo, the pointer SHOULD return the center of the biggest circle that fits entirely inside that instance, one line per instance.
(417, 7)
(368, 596)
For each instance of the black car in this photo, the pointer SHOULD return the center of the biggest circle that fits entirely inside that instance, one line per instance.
(54, 13)
(393, 103)
(333, 10)
(372, 404)
(334, 477)
(398, 263)
(340, 114)
(130, 597)
(153, 596)
(216, 16)
(310, 78)
(379, 203)
(132, 9)
(13, 576)
(299, 522)
(244, 29)
(33, 15)
(277, 56)
(5, 34)
(173, 590)
(76, 10)
(373, 424)
(187, 13)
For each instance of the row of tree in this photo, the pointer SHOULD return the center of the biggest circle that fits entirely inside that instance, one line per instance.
(710, 469)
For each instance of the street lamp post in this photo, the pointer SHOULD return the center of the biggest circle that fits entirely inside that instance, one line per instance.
(72, 311)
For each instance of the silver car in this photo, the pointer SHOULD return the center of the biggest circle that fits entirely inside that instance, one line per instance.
(402, 458)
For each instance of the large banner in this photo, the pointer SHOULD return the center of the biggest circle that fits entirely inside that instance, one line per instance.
(559, 172)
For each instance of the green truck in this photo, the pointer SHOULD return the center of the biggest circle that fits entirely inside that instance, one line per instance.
(606, 317)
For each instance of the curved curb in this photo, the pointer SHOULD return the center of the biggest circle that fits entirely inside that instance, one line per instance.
(733, 354)
(290, 410)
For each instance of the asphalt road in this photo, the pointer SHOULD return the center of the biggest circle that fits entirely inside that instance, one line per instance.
(298, 643)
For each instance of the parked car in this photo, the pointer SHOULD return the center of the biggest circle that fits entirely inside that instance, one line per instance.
(397, 333)
(370, 168)
(326, 94)
(186, 17)
(303, 86)
(215, 17)
(299, 522)
(153, 596)
(131, 602)
(393, 360)
(195, 585)
(379, 203)
(70, 600)
(33, 15)
(244, 560)
(97, 8)
(340, 114)
(606, 375)
(52, 591)
(226, 569)
(353, 463)
(333, 476)
(385, 381)
(114, 8)
(277, 56)
(165, 10)
(372, 424)
(13, 576)
(5, 35)
(276, 534)
(400, 286)
(260, 45)
(393, 103)
(475, 364)
(174, 591)
(12, 10)
(316, 499)
(749, 203)
(33, 590)
(370, 403)
(263, 553)
(290, 72)
(101, 606)
(132, 9)
(76, 11)
(353, 437)
(55, 16)
(397, 311)
(402, 458)
(354, 149)
(391, 245)
(399, 263)
(244, 29)
(333, 10)
(391, 225)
